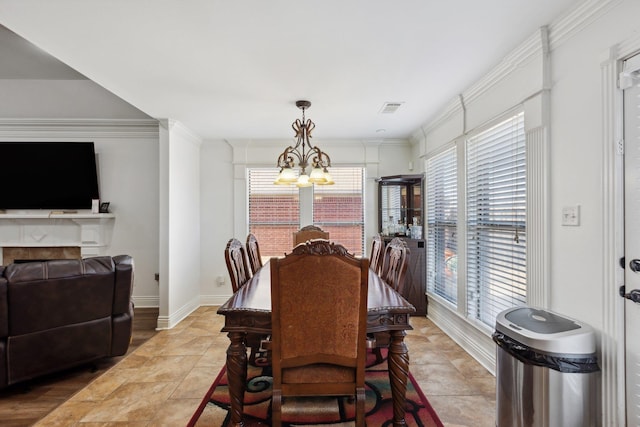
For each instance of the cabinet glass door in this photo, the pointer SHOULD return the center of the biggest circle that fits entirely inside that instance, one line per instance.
(400, 206)
(393, 210)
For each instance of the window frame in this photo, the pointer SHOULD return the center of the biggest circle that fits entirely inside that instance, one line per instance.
(495, 223)
(305, 197)
(460, 145)
(291, 226)
(328, 225)
(437, 277)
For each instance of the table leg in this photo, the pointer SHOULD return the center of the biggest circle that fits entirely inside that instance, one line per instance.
(398, 374)
(237, 375)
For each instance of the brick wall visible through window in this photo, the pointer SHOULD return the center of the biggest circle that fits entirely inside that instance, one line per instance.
(339, 208)
(274, 210)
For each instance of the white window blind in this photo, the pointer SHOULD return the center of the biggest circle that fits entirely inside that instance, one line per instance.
(339, 208)
(442, 217)
(496, 220)
(274, 211)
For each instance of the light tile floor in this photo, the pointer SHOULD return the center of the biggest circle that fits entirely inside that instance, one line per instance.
(163, 381)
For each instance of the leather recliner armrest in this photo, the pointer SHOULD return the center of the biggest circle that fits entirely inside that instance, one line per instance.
(123, 283)
(4, 306)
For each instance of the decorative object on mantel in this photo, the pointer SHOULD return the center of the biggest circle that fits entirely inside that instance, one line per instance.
(306, 154)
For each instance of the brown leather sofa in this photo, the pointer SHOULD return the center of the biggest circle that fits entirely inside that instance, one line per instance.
(62, 313)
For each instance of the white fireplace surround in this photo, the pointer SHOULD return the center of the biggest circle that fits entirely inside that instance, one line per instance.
(43, 228)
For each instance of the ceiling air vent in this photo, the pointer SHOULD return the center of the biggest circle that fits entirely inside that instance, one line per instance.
(390, 107)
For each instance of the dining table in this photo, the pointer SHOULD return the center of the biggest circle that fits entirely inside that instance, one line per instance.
(248, 311)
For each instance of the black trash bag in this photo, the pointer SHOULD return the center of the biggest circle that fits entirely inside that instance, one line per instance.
(527, 355)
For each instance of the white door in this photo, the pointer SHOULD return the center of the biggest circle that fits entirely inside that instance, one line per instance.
(631, 80)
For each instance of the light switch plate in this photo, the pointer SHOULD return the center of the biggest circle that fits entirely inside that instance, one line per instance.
(571, 215)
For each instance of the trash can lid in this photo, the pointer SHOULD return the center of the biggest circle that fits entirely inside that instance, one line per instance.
(546, 331)
(541, 321)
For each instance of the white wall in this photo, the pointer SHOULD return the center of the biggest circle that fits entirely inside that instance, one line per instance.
(179, 223)
(216, 172)
(129, 181)
(394, 159)
(577, 167)
(580, 44)
(62, 99)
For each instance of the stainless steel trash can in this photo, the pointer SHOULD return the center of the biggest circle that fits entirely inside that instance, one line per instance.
(547, 372)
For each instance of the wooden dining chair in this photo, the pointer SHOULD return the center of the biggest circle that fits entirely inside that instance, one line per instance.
(309, 232)
(319, 321)
(253, 253)
(376, 258)
(236, 259)
(395, 263)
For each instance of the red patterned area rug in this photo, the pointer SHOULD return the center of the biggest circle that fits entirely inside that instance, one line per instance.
(340, 411)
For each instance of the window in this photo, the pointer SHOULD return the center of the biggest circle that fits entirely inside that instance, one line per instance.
(442, 218)
(339, 208)
(496, 220)
(274, 211)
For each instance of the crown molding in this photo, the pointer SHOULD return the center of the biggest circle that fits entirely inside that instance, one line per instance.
(532, 47)
(178, 128)
(577, 19)
(282, 143)
(78, 128)
(557, 33)
(385, 142)
(452, 107)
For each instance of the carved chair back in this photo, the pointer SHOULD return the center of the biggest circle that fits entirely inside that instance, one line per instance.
(377, 250)
(309, 232)
(396, 261)
(319, 314)
(253, 253)
(236, 259)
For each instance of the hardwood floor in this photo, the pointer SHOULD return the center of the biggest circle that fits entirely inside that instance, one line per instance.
(24, 404)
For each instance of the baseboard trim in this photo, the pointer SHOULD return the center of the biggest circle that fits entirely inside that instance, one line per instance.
(168, 322)
(146, 301)
(478, 343)
(213, 300)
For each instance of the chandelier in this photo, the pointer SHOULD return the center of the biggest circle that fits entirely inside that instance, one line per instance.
(306, 155)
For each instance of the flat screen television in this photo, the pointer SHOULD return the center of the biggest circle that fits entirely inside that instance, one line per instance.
(48, 175)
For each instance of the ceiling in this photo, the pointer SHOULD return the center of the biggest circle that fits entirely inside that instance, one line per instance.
(233, 69)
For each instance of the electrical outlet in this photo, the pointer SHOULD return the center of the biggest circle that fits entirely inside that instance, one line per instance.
(571, 215)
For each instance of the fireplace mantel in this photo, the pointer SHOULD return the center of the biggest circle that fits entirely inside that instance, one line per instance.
(88, 231)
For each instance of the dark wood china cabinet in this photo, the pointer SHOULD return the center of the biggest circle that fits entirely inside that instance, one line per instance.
(401, 214)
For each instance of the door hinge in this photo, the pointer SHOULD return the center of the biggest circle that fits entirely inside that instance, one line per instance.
(634, 295)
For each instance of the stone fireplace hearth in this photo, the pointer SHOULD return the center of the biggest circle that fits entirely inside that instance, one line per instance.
(54, 235)
(12, 254)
